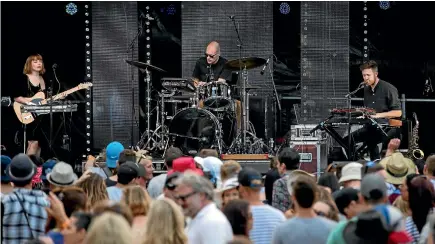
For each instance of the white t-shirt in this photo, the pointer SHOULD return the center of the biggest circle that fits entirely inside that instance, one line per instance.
(210, 226)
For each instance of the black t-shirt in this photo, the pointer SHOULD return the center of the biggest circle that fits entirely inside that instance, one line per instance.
(202, 71)
(383, 98)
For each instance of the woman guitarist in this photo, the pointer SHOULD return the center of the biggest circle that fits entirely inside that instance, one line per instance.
(26, 89)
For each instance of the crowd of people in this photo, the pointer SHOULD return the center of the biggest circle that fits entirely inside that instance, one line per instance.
(203, 200)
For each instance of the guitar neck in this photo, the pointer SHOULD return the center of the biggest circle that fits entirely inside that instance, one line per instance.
(64, 94)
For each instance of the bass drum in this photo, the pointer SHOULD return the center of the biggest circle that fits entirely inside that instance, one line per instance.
(193, 129)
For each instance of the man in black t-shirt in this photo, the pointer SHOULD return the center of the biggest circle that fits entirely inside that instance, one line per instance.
(384, 99)
(211, 67)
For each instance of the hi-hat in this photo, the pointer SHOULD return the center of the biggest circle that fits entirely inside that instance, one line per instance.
(142, 65)
(248, 63)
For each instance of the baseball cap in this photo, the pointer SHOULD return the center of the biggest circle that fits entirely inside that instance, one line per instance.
(373, 187)
(112, 153)
(21, 168)
(5, 163)
(47, 167)
(127, 172)
(183, 164)
(250, 177)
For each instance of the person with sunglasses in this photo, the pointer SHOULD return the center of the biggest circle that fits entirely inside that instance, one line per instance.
(211, 61)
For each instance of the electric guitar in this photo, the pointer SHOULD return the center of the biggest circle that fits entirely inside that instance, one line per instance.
(39, 99)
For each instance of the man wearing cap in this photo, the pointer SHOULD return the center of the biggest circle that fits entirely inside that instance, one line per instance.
(351, 175)
(112, 155)
(127, 175)
(373, 196)
(348, 202)
(265, 217)
(6, 185)
(170, 185)
(288, 167)
(124, 156)
(157, 183)
(194, 193)
(24, 214)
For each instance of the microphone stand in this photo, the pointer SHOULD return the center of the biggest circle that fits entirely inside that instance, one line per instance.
(243, 93)
(351, 150)
(51, 113)
(131, 51)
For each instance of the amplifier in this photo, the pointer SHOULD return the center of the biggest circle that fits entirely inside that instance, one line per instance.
(314, 155)
(302, 133)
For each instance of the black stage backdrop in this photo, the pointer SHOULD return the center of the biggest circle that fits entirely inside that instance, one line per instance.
(45, 28)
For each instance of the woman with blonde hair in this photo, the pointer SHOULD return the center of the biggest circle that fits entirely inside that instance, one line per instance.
(165, 223)
(229, 169)
(95, 188)
(109, 228)
(138, 200)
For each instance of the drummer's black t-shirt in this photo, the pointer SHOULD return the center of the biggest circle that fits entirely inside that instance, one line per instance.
(201, 71)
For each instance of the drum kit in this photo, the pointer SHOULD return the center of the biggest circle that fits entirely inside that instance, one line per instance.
(194, 118)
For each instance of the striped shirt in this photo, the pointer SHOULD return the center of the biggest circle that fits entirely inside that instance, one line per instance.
(265, 220)
(15, 226)
(412, 230)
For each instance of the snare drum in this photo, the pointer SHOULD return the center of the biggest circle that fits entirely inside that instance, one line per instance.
(215, 95)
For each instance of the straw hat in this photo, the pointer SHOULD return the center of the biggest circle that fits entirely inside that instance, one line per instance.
(397, 168)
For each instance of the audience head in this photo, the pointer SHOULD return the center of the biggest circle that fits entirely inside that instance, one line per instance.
(250, 183)
(372, 167)
(5, 164)
(147, 163)
(229, 190)
(95, 188)
(229, 169)
(305, 192)
(137, 199)
(76, 231)
(348, 202)
(170, 185)
(193, 192)
(112, 154)
(397, 167)
(212, 170)
(405, 186)
(165, 223)
(109, 228)
(288, 159)
(171, 154)
(374, 189)
(126, 155)
(421, 200)
(21, 170)
(128, 173)
(239, 215)
(114, 207)
(429, 167)
(330, 181)
(351, 175)
(62, 175)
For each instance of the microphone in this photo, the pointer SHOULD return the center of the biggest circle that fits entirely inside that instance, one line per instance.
(264, 67)
(54, 66)
(231, 17)
(362, 84)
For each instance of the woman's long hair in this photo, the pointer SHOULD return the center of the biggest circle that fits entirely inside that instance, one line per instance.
(109, 228)
(137, 199)
(95, 189)
(165, 223)
(421, 199)
(237, 212)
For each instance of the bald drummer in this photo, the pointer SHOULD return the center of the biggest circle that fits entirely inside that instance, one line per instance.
(216, 63)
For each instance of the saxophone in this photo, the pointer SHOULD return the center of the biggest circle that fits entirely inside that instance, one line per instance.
(414, 152)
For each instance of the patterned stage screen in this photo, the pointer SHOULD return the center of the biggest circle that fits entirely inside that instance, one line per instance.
(114, 26)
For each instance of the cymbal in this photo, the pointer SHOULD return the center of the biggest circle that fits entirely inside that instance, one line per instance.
(249, 63)
(142, 65)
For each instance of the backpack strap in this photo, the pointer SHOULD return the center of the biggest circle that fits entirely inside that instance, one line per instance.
(384, 210)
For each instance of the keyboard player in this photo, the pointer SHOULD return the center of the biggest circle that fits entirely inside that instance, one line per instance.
(384, 99)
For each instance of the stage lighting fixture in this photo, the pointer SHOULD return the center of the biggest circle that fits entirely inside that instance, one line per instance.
(71, 8)
(384, 5)
(284, 8)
